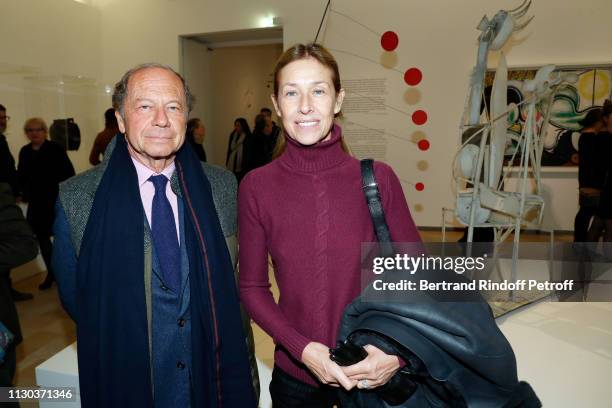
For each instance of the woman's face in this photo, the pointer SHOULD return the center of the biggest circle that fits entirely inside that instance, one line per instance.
(237, 127)
(306, 101)
(36, 133)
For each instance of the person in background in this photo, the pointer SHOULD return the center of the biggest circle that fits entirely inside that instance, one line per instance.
(43, 164)
(8, 174)
(104, 137)
(603, 220)
(591, 172)
(256, 146)
(239, 138)
(195, 134)
(271, 131)
(17, 246)
(306, 209)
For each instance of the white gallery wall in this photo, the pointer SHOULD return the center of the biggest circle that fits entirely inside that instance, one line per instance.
(99, 40)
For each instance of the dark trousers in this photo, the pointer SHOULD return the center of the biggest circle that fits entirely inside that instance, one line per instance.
(46, 249)
(288, 392)
(7, 372)
(582, 221)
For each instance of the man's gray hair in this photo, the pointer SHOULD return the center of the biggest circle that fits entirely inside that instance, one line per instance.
(121, 87)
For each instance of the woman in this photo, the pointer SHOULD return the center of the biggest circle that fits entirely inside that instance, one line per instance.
(235, 160)
(195, 134)
(307, 210)
(604, 213)
(43, 164)
(591, 172)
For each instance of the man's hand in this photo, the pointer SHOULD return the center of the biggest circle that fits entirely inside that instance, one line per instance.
(377, 368)
(316, 357)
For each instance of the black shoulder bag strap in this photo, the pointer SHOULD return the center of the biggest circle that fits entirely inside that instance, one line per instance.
(372, 196)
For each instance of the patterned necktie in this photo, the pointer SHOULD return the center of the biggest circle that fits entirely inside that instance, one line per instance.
(163, 231)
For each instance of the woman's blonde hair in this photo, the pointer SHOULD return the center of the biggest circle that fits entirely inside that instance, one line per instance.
(35, 121)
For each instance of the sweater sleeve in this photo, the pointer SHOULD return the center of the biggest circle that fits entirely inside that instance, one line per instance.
(254, 283)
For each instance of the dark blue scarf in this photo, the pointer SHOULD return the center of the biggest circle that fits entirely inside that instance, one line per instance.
(113, 347)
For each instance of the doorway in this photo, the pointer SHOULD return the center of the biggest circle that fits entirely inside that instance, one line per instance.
(231, 75)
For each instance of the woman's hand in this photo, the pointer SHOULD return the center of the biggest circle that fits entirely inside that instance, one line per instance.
(316, 357)
(377, 368)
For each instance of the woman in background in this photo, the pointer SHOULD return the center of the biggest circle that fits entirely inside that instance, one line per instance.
(235, 160)
(306, 209)
(43, 164)
(195, 134)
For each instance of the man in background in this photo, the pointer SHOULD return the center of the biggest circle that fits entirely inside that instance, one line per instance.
(8, 174)
(104, 137)
(271, 133)
(17, 246)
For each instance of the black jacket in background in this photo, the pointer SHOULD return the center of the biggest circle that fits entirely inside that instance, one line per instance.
(8, 174)
(17, 246)
(594, 156)
(39, 174)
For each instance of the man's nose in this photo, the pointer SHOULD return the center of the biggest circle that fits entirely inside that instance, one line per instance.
(161, 117)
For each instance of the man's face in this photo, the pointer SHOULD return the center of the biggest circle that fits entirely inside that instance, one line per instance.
(155, 116)
(267, 116)
(3, 121)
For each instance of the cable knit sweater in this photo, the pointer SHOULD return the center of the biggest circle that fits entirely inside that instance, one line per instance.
(307, 210)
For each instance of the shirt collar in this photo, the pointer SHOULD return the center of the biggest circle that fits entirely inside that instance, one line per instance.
(144, 173)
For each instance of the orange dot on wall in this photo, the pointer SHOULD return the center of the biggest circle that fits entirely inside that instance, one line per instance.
(423, 144)
(389, 41)
(419, 186)
(419, 117)
(413, 76)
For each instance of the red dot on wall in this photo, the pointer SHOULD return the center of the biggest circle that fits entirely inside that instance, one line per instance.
(423, 144)
(413, 76)
(419, 117)
(389, 41)
(419, 186)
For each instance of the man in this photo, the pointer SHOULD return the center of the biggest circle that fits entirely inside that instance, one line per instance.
(8, 174)
(142, 262)
(17, 246)
(111, 128)
(271, 132)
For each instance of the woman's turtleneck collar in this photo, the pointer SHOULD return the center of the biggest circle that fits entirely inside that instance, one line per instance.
(317, 157)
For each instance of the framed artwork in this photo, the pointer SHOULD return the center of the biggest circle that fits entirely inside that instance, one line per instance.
(570, 105)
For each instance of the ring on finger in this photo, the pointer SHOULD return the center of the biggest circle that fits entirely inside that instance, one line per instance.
(363, 384)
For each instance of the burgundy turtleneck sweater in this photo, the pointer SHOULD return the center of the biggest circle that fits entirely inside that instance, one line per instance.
(307, 210)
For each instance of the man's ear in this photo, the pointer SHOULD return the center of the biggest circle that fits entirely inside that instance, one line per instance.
(120, 121)
(275, 103)
(339, 100)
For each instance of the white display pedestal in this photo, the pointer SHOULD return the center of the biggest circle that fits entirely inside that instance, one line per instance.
(61, 370)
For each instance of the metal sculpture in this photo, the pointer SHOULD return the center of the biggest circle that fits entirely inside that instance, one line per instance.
(480, 176)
